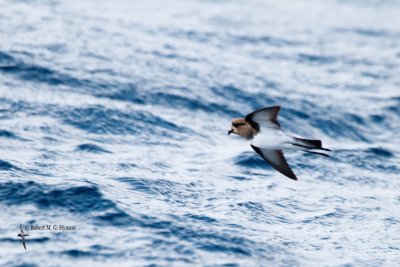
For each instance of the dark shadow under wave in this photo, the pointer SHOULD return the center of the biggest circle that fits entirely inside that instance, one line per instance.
(92, 148)
(250, 160)
(34, 72)
(161, 98)
(7, 166)
(77, 200)
(101, 120)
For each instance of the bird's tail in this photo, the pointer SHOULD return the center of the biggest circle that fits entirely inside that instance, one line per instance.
(310, 145)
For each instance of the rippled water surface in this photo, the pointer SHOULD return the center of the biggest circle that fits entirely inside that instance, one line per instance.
(114, 114)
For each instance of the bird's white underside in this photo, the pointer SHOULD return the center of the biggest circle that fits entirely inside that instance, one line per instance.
(273, 139)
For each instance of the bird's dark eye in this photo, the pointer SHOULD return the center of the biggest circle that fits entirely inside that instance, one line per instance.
(237, 124)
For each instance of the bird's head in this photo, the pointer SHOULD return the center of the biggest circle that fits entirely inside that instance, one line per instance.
(241, 127)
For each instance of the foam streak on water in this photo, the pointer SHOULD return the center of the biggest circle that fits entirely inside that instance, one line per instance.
(113, 118)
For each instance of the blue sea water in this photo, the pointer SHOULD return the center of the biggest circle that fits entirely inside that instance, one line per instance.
(114, 119)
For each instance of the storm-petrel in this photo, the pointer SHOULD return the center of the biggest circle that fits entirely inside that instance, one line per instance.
(262, 129)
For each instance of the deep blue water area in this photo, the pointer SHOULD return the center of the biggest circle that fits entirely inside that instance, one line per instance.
(114, 119)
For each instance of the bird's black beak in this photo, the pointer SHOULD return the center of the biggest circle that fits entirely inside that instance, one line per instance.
(229, 132)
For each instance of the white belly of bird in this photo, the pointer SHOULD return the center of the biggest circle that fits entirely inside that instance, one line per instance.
(273, 139)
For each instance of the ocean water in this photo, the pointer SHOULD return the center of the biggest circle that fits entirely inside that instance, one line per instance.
(114, 119)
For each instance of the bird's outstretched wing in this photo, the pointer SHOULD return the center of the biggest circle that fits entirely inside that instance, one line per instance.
(265, 117)
(277, 160)
(23, 241)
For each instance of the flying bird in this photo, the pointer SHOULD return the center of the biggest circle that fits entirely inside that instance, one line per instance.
(262, 129)
(22, 235)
